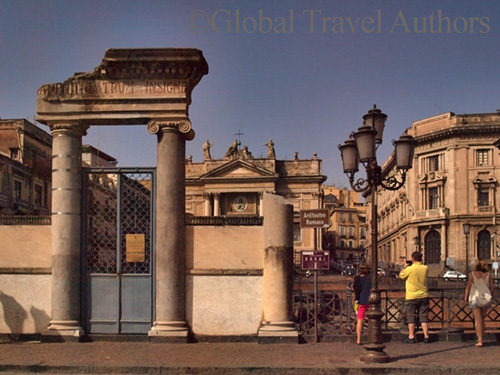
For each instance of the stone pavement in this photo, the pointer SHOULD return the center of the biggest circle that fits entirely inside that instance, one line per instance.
(142, 357)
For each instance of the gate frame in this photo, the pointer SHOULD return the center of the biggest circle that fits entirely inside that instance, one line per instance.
(86, 171)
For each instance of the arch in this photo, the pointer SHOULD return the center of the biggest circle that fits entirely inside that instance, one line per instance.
(484, 245)
(433, 247)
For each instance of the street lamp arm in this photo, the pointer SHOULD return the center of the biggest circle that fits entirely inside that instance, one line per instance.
(361, 185)
(392, 182)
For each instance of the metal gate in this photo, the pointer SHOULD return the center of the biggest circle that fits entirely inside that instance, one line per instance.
(118, 224)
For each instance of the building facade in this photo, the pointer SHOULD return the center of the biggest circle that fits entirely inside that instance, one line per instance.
(233, 186)
(25, 168)
(454, 181)
(346, 237)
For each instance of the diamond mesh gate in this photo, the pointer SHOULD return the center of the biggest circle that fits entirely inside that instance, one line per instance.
(118, 237)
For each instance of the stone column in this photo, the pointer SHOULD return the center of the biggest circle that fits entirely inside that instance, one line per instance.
(170, 261)
(261, 204)
(208, 205)
(66, 231)
(277, 282)
(216, 204)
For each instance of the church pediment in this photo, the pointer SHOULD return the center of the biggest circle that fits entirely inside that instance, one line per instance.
(237, 169)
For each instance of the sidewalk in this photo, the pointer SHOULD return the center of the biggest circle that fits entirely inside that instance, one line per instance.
(104, 357)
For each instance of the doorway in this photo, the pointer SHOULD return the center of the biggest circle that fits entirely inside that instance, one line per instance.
(117, 235)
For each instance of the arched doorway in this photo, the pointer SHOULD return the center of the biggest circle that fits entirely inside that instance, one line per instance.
(483, 245)
(433, 247)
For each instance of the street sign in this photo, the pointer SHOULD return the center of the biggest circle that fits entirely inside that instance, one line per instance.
(314, 218)
(315, 260)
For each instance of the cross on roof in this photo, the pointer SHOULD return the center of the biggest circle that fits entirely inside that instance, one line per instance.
(238, 134)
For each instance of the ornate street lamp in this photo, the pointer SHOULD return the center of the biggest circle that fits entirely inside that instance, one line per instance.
(466, 232)
(361, 148)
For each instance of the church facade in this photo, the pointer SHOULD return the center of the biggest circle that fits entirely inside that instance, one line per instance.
(232, 186)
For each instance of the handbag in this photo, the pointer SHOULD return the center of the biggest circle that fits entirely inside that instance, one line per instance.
(480, 295)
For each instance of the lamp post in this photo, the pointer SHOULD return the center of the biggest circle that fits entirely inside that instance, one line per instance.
(466, 232)
(361, 147)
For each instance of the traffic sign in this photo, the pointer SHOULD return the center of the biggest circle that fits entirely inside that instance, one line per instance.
(315, 260)
(317, 218)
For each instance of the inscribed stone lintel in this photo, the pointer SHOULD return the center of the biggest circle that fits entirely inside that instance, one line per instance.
(130, 86)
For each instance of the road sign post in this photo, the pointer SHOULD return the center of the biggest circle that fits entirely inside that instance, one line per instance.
(315, 260)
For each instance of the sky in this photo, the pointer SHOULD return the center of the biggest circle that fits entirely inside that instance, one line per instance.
(302, 73)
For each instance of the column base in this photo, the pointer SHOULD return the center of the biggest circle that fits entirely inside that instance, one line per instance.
(278, 332)
(175, 332)
(63, 331)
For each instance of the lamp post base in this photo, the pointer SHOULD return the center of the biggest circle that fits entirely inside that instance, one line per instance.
(375, 346)
(375, 354)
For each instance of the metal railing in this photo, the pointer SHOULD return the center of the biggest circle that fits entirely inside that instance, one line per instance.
(336, 315)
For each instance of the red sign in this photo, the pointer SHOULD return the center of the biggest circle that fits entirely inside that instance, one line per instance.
(314, 218)
(315, 260)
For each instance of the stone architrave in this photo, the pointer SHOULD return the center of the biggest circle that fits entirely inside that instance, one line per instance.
(130, 87)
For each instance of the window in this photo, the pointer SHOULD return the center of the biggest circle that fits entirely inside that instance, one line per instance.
(351, 244)
(433, 198)
(342, 231)
(350, 217)
(14, 153)
(483, 245)
(17, 190)
(296, 232)
(38, 195)
(433, 163)
(342, 217)
(362, 232)
(483, 197)
(351, 231)
(482, 157)
(433, 247)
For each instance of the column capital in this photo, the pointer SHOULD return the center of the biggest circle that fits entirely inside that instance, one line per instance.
(182, 126)
(69, 128)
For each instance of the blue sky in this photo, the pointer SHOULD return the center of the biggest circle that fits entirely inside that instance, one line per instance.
(300, 72)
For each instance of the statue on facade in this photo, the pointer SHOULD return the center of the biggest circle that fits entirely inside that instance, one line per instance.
(270, 149)
(245, 153)
(232, 151)
(206, 150)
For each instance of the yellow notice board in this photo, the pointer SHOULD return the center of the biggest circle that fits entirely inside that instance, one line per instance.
(135, 247)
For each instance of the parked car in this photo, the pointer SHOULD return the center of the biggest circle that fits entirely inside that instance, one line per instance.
(349, 271)
(454, 275)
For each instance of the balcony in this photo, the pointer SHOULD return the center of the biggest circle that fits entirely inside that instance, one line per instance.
(485, 209)
(439, 213)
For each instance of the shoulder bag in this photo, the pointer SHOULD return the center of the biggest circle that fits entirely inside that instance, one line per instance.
(480, 295)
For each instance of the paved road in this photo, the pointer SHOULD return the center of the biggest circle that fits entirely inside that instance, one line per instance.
(100, 357)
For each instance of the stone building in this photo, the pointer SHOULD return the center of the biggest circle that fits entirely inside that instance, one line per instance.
(25, 168)
(454, 180)
(346, 237)
(233, 186)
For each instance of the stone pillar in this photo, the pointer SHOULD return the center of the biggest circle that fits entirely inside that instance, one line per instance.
(216, 204)
(170, 230)
(261, 204)
(277, 281)
(66, 231)
(208, 206)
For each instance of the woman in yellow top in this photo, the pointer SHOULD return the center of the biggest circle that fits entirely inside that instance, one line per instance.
(480, 272)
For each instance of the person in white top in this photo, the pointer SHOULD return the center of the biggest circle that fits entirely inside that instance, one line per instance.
(479, 313)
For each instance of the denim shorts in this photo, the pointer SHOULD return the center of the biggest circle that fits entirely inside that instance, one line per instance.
(417, 306)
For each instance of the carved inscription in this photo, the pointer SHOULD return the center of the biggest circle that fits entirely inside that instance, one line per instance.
(162, 87)
(113, 89)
